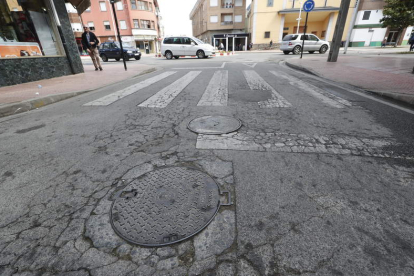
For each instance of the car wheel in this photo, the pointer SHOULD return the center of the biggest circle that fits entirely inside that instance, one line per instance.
(138, 57)
(126, 57)
(176, 57)
(104, 58)
(117, 59)
(296, 50)
(286, 52)
(311, 52)
(323, 49)
(200, 54)
(168, 55)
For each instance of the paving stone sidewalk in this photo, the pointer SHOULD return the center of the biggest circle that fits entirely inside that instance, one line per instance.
(23, 97)
(386, 75)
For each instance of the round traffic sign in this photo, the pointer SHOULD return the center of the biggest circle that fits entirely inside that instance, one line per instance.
(308, 6)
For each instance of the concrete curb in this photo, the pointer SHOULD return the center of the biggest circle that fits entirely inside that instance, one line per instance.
(403, 98)
(24, 106)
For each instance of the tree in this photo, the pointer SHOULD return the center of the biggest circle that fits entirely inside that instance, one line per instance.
(398, 14)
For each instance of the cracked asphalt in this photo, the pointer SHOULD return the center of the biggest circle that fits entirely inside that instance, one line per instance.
(322, 184)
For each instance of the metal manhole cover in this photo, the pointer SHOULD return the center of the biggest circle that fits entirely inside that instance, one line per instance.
(165, 206)
(214, 125)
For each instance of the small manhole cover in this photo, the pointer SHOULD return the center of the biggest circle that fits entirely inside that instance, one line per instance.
(214, 125)
(165, 206)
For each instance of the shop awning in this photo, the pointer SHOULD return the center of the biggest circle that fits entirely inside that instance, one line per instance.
(80, 5)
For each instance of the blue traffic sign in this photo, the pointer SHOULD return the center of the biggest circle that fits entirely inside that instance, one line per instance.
(308, 6)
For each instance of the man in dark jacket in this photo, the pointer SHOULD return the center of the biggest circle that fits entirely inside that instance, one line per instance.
(411, 41)
(90, 42)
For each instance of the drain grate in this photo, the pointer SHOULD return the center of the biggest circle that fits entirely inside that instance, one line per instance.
(165, 206)
(214, 125)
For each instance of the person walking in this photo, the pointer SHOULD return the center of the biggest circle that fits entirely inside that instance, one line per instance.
(221, 46)
(271, 44)
(411, 42)
(90, 42)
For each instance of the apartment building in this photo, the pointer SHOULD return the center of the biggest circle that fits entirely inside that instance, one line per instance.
(220, 22)
(368, 30)
(138, 21)
(271, 20)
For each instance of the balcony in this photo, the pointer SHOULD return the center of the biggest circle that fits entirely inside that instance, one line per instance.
(225, 23)
(226, 4)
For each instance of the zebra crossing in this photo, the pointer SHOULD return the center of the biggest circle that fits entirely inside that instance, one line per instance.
(217, 91)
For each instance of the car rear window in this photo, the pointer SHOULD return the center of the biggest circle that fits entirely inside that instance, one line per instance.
(290, 37)
(168, 40)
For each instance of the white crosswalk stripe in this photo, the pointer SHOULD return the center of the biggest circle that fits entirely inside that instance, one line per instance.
(256, 82)
(167, 95)
(111, 98)
(316, 92)
(216, 93)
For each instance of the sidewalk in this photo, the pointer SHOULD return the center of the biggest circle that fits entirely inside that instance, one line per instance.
(23, 97)
(386, 75)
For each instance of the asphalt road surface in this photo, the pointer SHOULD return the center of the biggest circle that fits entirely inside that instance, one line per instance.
(320, 175)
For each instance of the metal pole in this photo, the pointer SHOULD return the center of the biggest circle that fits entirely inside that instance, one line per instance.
(304, 34)
(119, 36)
(339, 31)
(299, 19)
(351, 27)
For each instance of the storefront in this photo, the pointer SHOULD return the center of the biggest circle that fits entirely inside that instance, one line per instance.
(231, 42)
(36, 41)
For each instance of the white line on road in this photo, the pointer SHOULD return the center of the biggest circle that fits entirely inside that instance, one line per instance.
(250, 64)
(198, 68)
(256, 82)
(216, 93)
(318, 93)
(167, 95)
(111, 98)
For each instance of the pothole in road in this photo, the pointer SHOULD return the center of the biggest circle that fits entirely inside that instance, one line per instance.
(165, 206)
(214, 125)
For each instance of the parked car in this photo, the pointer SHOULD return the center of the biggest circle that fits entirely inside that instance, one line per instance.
(293, 43)
(185, 46)
(112, 50)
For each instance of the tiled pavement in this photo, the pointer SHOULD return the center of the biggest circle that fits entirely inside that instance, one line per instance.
(389, 76)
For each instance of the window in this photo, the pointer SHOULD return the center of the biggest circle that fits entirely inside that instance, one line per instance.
(313, 38)
(238, 18)
(149, 6)
(169, 40)
(213, 3)
(152, 25)
(103, 6)
(366, 15)
(213, 19)
(290, 37)
(133, 4)
(27, 29)
(306, 37)
(177, 40)
(186, 40)
(239, 3)
(323, 34)
(267, 35)
(123, 24)
(228, 18)
(145, 24)
(270, 3)
(142, 5)
(119, 6)
(91, 26)
(107, 25)
(136, 23)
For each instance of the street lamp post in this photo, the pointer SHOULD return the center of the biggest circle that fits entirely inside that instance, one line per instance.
(119, 34)
(299, 19)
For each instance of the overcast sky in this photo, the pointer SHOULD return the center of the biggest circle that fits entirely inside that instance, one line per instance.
(176, 16)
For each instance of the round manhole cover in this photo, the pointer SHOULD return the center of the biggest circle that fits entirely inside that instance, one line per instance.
(165, 206)
(214, 125)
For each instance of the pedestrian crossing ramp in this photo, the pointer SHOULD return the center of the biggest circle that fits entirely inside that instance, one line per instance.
(217, 91)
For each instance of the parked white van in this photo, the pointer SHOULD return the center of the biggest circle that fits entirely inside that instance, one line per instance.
(176, 46)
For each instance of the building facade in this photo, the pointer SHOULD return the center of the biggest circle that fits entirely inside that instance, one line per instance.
(368, 30)
(36, 41)
(271, 20)
(220, 22)
(138, 21)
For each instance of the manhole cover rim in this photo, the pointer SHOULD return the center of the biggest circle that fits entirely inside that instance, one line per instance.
(215, 132)
(122, 236)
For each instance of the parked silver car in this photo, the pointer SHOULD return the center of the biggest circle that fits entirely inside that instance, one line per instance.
(293, 43)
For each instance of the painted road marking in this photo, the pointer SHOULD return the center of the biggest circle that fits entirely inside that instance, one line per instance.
(299, 143)
(252, 65)
(167, 95)
(199, 68)
(316, 92)
(216, 93)
(256, 82)
(111, 98)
